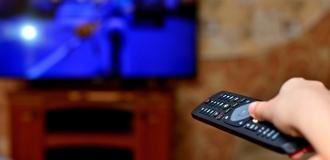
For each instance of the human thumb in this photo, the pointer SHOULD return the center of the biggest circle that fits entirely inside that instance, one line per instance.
(260, 111)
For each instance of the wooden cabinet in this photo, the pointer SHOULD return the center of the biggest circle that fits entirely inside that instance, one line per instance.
(50, 124)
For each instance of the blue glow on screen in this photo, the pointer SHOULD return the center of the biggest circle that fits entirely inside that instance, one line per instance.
(39, 48)
(161, 52)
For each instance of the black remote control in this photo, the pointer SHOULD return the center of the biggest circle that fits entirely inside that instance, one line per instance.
(229, 112)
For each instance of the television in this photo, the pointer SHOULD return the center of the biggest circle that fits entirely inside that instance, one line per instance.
(97, 39)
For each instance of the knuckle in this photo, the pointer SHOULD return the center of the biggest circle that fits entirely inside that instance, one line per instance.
(295, 79)
(318, 83)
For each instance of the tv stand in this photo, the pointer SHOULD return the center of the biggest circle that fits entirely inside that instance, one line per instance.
(101, 84)
(73, 124)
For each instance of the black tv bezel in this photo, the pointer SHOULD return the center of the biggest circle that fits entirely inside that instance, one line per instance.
(105, 84)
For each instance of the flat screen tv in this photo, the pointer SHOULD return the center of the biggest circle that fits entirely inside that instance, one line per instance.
(92, 39)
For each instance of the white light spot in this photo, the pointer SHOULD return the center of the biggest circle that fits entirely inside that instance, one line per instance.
(29, 32)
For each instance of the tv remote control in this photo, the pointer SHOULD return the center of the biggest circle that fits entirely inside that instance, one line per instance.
(229, 112)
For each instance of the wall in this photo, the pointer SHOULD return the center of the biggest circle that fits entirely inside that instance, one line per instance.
(258, 72)
(230, 28)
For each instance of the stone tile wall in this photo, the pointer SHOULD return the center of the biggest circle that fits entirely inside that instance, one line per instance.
(259, 76)
(230, 28)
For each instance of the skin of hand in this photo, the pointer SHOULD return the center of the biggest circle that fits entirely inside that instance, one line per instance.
(301, 109)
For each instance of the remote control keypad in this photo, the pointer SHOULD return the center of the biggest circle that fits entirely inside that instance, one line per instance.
(262, 131)
(234, 111)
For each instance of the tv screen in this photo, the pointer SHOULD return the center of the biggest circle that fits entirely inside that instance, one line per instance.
(87, 39)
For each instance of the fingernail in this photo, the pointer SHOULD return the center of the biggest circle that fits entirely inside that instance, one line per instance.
(252, 107)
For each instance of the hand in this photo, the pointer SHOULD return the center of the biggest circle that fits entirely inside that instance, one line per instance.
(301, 108)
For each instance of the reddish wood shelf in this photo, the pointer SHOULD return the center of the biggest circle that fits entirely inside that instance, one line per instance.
(56, 140)
(148, 139)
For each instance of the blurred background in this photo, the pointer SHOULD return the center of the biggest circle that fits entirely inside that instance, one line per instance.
(118, 79)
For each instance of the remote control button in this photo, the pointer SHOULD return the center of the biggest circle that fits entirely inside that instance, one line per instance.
(235, 104)
(260, 130)
(240, 123)
(228, 110)
(236, 99)
(240, 113)
(236, 124)
(247, 101)
(225, 106)
(220, 116)
(270, 134)
(256, 128)
(208, 111)
(252, 126)
(220, 106)
(275, 136)
(215, 114)
(213, 103)
(247, 125)
(203, 110)
(265, 132)
(242, 100)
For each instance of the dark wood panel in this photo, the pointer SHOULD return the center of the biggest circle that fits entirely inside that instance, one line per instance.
(149, 139)
(73, 139)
